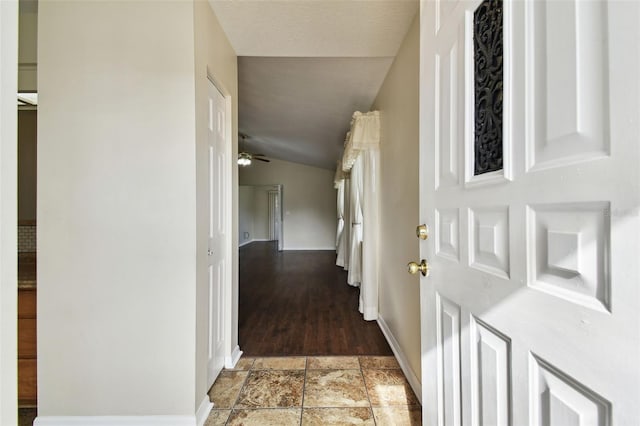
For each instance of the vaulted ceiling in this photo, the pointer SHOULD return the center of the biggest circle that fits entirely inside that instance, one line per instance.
(304, 66)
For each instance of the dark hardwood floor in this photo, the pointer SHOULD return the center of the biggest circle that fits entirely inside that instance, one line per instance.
(299, 303)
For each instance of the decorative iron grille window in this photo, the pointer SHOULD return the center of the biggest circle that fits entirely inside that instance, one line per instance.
(488, 83)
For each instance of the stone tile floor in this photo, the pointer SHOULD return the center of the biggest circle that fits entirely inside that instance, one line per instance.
(343, 390)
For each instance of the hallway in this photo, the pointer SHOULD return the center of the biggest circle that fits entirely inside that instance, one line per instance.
(299, 303)
(309, 356)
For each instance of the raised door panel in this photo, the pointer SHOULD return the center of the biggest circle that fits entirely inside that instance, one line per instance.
(216, 275)
(569, 252)
(448, 353)
(559, 400)
(490, 373)
(448, 113)
(566, 82)
(489, 240)
(444, 10)
(447, 233)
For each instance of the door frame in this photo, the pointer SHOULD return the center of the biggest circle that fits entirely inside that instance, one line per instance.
(8, 211)
(280, 217)
(231, 353)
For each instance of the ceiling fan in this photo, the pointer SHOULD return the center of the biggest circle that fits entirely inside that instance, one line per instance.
(245, 157)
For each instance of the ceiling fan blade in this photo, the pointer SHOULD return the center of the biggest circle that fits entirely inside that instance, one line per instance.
(258, 155)
(261, 159)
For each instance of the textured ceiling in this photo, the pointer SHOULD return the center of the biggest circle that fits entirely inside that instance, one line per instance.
(330, 28)
(305, 66)
(299, 109)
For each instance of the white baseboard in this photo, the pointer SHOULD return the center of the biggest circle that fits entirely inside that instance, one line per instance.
(332, 248)
(115, 421)
(414, 380)
(203, 411)
(253, 241)
(231, 361)
(309, 249)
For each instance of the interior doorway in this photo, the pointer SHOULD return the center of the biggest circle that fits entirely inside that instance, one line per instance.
(261, 214)
(275, 215)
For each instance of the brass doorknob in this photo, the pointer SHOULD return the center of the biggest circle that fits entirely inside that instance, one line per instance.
(422, 232)
(422, 267)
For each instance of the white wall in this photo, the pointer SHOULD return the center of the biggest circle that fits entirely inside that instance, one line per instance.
(399, 293)
(8, 212)
(215, 56)
(253, 214)
(116, 209)
(261, 213)
(308, 201)
(246, 208)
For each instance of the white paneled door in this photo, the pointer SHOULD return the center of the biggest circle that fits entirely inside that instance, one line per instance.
(217, 161)
(531, 310)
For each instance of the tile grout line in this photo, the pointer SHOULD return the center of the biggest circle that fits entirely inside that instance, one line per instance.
(304, 387)
(366, 390)
(244, 382)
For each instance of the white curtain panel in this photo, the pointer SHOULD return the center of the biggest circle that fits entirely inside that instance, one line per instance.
(345, 241)
(362, 158)
(340, 230)
(340, 212)
(354, 277)
(370, 231)
(338, 184)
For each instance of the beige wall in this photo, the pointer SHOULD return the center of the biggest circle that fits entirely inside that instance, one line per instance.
(215, 56)
(254, 212)
(246, 209)
(27, 164)
(261, 213)
(116, 209)
(399, 293)
(308, 202)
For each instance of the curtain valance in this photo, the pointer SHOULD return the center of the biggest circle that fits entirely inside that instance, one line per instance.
(364, 134)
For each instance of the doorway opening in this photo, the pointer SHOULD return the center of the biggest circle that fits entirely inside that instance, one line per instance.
(260, 214)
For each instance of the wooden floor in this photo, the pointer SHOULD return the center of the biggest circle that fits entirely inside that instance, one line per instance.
(299, 303)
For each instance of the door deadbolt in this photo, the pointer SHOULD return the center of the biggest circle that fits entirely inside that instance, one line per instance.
(422, 232)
